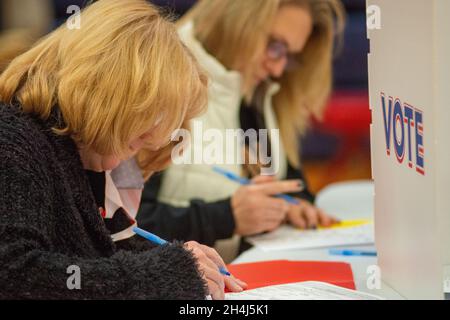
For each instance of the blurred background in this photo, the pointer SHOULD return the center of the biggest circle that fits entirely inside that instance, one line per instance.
(337, 148)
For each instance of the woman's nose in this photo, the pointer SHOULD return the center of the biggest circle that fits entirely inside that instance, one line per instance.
(136, 145)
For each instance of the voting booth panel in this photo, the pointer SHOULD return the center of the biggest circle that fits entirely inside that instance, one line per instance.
(409, 84)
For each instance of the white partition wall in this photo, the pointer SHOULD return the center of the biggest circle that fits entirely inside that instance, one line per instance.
(442, 98)
(409, 79)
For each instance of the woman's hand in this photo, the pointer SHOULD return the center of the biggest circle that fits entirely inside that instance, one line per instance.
(307, 216)
(209, 262)
(255, 210)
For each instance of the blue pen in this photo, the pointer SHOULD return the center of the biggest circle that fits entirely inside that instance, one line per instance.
(347, 252)
(157, 240)
(245, 181)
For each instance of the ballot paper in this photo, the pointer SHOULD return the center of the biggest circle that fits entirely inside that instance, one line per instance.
(309, 290)
(288, 237)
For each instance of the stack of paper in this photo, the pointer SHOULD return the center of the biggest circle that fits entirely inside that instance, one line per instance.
(288, 237)
(301, 291)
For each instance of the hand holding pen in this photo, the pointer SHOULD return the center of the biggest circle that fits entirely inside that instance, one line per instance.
(260, 204)
(208, 260)
(211, 265)
(256, 207)
(277, 193)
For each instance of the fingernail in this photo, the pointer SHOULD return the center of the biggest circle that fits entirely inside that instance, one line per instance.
(242, 283)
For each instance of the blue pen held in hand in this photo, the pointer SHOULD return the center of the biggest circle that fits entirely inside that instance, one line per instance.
(245, 181)
(157, 240)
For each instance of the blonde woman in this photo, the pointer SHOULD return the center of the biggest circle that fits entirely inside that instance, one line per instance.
(78, 104)
(270, 64)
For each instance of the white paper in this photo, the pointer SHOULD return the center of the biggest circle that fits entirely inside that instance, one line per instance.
(309, 290)
(288, 237)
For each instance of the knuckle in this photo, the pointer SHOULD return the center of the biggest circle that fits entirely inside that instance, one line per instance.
(199, 253)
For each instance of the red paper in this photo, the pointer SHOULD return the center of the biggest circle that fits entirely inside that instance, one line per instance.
(267, 273)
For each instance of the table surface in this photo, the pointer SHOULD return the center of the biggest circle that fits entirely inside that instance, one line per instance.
(348, 200)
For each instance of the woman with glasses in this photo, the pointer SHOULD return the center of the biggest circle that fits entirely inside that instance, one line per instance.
(270, 65)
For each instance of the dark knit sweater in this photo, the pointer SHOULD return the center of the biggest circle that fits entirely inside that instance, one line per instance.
(49, 221)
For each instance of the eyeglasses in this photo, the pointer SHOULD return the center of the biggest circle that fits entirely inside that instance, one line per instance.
(278, 49)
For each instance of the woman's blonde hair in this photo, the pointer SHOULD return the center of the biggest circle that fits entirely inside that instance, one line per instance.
(121, 73)
(235, 31)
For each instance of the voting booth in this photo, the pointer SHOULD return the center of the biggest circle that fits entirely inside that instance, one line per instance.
(409, 80)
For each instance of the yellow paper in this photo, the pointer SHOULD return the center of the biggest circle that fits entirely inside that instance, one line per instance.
(348, 224)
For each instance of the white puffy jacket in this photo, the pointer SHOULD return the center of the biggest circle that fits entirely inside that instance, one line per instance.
(184, 182)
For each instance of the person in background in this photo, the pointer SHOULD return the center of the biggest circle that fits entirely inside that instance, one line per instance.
(21, 24)
(270, 64)
(73, 108)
